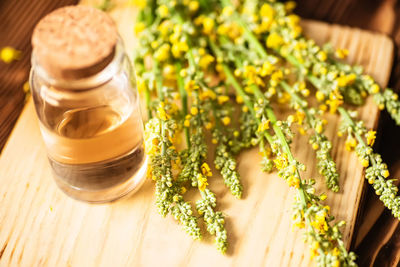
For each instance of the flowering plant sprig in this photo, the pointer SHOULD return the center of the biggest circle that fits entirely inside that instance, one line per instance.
(197, 170)
(160, 130)
(334, 93)
(319, 141)
(377, 171)
(284, 35)
(326, 241)
(198, 55)
(227, 141)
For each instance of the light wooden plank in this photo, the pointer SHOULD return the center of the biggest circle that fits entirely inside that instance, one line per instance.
(39, 225)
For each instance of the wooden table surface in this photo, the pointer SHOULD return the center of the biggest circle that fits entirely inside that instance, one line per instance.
(381, 246)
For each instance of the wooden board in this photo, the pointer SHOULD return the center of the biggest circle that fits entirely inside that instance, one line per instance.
(40, 226)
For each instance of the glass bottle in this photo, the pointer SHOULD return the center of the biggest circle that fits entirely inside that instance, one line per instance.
(86, 99)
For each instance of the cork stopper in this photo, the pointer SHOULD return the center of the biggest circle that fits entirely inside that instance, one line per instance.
(74, 42)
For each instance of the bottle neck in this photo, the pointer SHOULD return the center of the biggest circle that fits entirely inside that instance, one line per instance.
(92, 81)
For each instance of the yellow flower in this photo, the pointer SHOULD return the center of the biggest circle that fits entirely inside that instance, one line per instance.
(319, 129)
(183, 190)
(277, 76)
(235, 31)
(207, 94)
(341, 53)
(274, 40)
(186, 123)
(193, 6)
(299, 225)
(250, 72)
(264, 125)
(334, 101)
(202, 51)
(305, 92)
(205, 61)
(223, 29)
(371, 135)
(9, 54)
(222, 99)
(191, 85)
(385, 173)
(293, 181)
(163, 11)
(320, 222)
(336, 263)
(226, 120)
(315, 146)
(285, 97)
(267, 11)
(178, 48)
(141, 85)
(320, 96)
(183, 72)
(162, 53)
(314, 250)
(281, 161)
(300, 115)
(199, 20)
(323, 107)
(205, 169)
(375, 88)
(345, 80)
(245, 109)
(291, 118)
(272, 90)
(264, 26)
(227, 11)
(165, 27)
(194, 111)
(162, 114)
(138, 3)
(151, 145)
(365, 162)
(239, 99)
(202, 182)
(297, 30)
(322, 55)
(293, 21)
(290, 5)
(266, 69)
(208, 25)
(139, 27)
(169, 72)
(351, 143)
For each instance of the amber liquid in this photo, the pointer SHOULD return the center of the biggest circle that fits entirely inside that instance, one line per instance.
(96, 154)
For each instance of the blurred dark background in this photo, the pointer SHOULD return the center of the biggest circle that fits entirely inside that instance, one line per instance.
(381, 247)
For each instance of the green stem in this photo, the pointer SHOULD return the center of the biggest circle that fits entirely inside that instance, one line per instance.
(182, 92)
(247, 32)
(299, 101)
(161, 97)
(159, 85)
(148, 99)
(345, 114)
(270, 113)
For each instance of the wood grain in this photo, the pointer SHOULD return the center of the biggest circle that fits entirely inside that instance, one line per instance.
(18, 17)
(39, 225)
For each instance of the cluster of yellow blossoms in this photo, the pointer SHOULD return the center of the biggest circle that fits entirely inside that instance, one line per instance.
(207, 53)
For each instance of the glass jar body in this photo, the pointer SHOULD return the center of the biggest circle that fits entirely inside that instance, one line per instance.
(93, 130)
